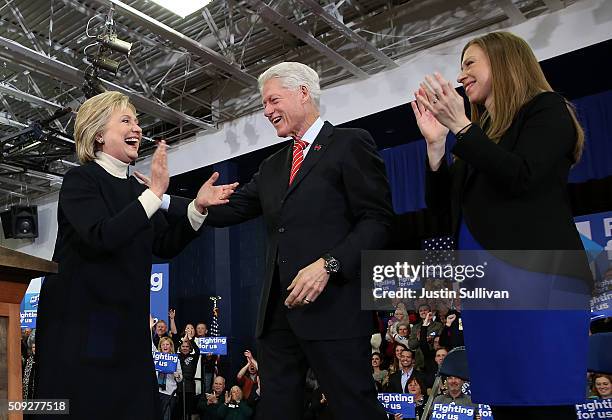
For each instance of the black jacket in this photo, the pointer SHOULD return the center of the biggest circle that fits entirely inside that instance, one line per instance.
(339, 203)
(509, 191)
(99, 300)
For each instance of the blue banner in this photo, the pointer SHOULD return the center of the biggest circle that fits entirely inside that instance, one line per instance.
(595, 409)
(452, 412)
(160, 278)
(485, 412)
(596, 234)
(29, 305)
(212, 345)
(398, 403)
(165, 362)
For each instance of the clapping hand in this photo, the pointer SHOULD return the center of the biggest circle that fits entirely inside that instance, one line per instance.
(438, 97)
(160, 179)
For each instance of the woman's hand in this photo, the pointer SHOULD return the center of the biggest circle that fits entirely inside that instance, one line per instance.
(160, 178)
(433, 131)
(440, 98)
(227, 397)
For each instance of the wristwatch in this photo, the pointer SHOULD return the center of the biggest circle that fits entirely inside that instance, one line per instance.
(332, 265)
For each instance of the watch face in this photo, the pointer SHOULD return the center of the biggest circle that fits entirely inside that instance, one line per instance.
(333, 265)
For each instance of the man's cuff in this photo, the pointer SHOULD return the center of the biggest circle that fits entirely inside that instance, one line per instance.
(165, 202)
(150, 202)
(195, 217)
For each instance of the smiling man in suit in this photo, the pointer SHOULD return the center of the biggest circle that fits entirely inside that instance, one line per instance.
(324, 198)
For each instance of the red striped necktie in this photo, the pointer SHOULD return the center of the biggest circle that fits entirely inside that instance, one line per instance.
(298, 157)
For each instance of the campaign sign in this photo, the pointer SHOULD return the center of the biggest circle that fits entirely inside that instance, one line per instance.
(452, 412)
(29, 305)
(165, 362)
(596, 234)
(485, 412)
(213, 345)
(398, 403)
(595, 409)
(160, 277)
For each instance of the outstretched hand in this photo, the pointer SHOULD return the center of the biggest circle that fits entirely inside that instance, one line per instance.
(213, 195)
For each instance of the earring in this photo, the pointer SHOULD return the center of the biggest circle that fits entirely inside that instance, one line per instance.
(100, 140)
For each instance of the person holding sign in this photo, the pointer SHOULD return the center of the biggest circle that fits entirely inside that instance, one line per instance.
(324, 197)
(92, 316)
(167, 382)
(506, 189)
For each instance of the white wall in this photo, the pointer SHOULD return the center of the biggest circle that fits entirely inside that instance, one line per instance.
(584, 23)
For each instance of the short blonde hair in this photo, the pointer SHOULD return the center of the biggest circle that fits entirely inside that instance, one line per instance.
(162, 340)
(91, 121)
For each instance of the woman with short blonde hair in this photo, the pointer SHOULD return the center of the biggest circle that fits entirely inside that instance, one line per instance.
(91, 121)
(109, 227)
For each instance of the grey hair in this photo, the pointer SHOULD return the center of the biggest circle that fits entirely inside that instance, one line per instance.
(293, 75)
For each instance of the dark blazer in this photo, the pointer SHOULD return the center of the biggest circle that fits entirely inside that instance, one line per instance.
(93, 339)
(507, 191)
(339, 203)
(395, 381)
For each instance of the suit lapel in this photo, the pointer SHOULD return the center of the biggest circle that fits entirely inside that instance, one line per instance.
(316, 151)
(284, 169)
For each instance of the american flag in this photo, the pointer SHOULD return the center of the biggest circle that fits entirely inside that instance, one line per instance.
(214, 328)
(439, 250)
(214, 325)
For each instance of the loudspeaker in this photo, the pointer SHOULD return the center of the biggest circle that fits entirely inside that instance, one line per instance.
(20, 222)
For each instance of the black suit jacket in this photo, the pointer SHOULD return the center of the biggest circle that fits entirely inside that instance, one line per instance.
(339, 203)
(512, 195)
(395, 381)
(99, 300)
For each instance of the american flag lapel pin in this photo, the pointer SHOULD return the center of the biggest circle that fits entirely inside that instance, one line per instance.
(317, 147)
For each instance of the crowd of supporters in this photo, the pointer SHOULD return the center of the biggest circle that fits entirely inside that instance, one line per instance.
(407, 349)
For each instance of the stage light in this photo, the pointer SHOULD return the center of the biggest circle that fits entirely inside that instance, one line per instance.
(105, 63)
(182, 8)
(112, 42)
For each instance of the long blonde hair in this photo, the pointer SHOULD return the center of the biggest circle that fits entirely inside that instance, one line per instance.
(518, 79)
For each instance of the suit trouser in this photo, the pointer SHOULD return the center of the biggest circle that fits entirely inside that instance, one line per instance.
(342, 368)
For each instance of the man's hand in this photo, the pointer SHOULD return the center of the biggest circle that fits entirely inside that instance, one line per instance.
(213, 195)
(450, 319)
(427, 319)
(171, 313)
(308, 284)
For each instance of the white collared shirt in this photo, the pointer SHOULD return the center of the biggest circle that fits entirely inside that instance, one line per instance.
(311, 134)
